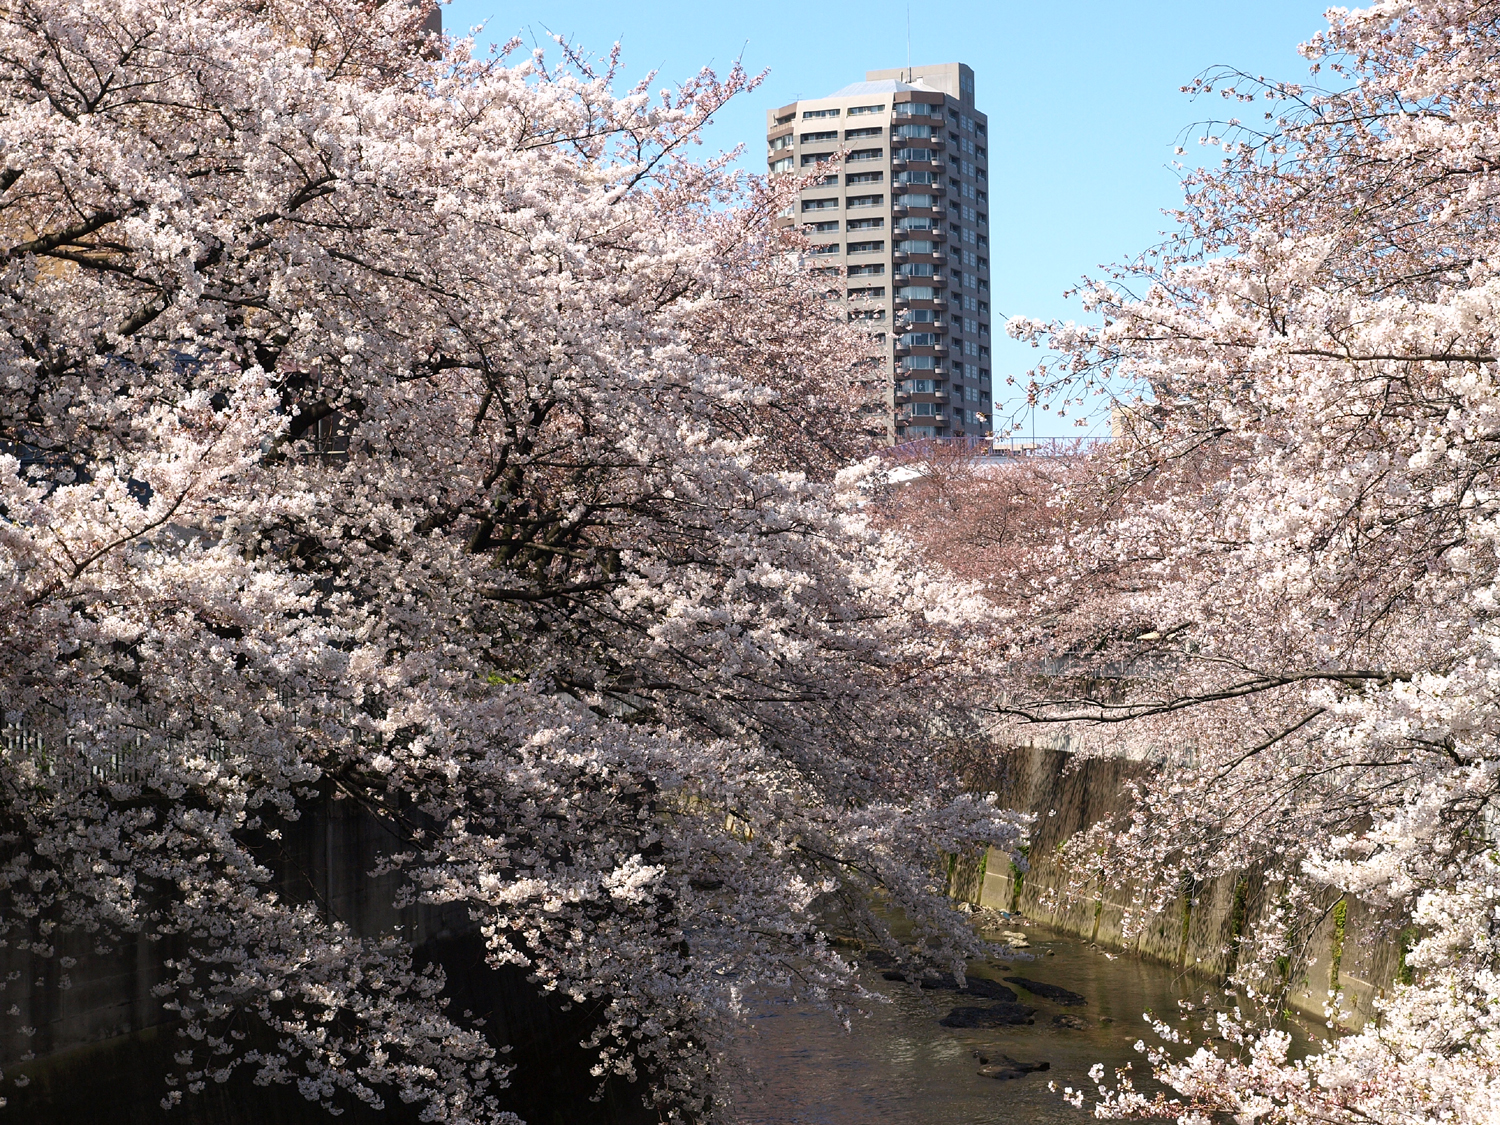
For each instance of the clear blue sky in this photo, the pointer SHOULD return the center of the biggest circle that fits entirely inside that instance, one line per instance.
(1083, 100)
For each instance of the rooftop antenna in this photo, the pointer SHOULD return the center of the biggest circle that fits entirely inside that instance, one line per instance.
(908, 44)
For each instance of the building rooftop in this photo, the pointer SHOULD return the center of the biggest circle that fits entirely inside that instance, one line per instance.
(883, 86)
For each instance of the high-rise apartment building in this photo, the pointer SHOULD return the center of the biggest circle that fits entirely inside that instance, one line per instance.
(903, 224)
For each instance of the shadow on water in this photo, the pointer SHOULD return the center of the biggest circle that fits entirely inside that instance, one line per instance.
(898, 1066)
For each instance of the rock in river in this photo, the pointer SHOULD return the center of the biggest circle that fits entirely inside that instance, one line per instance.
(1000, 1015)
(1073, 1022)
(973, 986)
(1008, 1068)
(1048, 991)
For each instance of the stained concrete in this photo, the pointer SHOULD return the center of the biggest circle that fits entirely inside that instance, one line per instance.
(1200, 930)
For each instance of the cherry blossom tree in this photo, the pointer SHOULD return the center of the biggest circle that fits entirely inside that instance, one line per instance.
(1279, 585)
(430, 431)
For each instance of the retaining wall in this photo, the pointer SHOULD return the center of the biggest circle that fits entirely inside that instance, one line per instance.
(1354, 947)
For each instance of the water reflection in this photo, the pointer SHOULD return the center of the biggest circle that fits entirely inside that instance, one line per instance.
(899, 1067)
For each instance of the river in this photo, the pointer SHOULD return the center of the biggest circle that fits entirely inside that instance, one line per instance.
(899, 1066)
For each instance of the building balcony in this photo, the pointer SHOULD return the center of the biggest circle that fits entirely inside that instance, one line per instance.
(939, 349)
(939, 370)
(939, 281)
(897, 164)
(940, 212)
(903, 302)
(899, 256)
(941, 396)
(903, 349)
(938, 235)
(940, 325)
(899, 209)
(903, 396)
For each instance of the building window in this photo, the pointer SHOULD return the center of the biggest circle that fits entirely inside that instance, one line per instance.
(820, 204)
(917, 222)
(917, 386)
(925, 155)
(865, 154)
(860, 110)
(867, 271)
(782, 165)
(815, 158)
(918, 363)
(864, 178)
(810, 114)
(920, 339)
(868, 292)
(916, 109)
(866, 201)
(866, 247)
(917, 246)
(922, 409)
(856, 134)
(814, 138)
(922, 131)
(916, 292)
(866, 224)
(781, 142)
(830, 224)
(917, 200)
(826, 248)
(785, 118)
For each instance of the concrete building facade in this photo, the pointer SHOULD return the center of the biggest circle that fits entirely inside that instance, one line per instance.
(902, 223)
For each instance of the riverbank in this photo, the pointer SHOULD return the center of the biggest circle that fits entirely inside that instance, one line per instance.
(1354, 949)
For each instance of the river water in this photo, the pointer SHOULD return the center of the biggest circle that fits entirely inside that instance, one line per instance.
(898, 1066)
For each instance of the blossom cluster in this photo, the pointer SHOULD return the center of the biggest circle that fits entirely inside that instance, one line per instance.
(1279, 586)
(385, 423)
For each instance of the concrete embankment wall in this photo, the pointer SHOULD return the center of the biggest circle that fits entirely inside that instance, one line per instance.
(1353, 947)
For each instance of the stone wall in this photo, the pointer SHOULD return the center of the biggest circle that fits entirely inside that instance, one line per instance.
(1352, 945)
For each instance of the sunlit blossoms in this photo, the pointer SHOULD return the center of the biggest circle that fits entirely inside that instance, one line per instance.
(1282, 584)
(428, 432)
